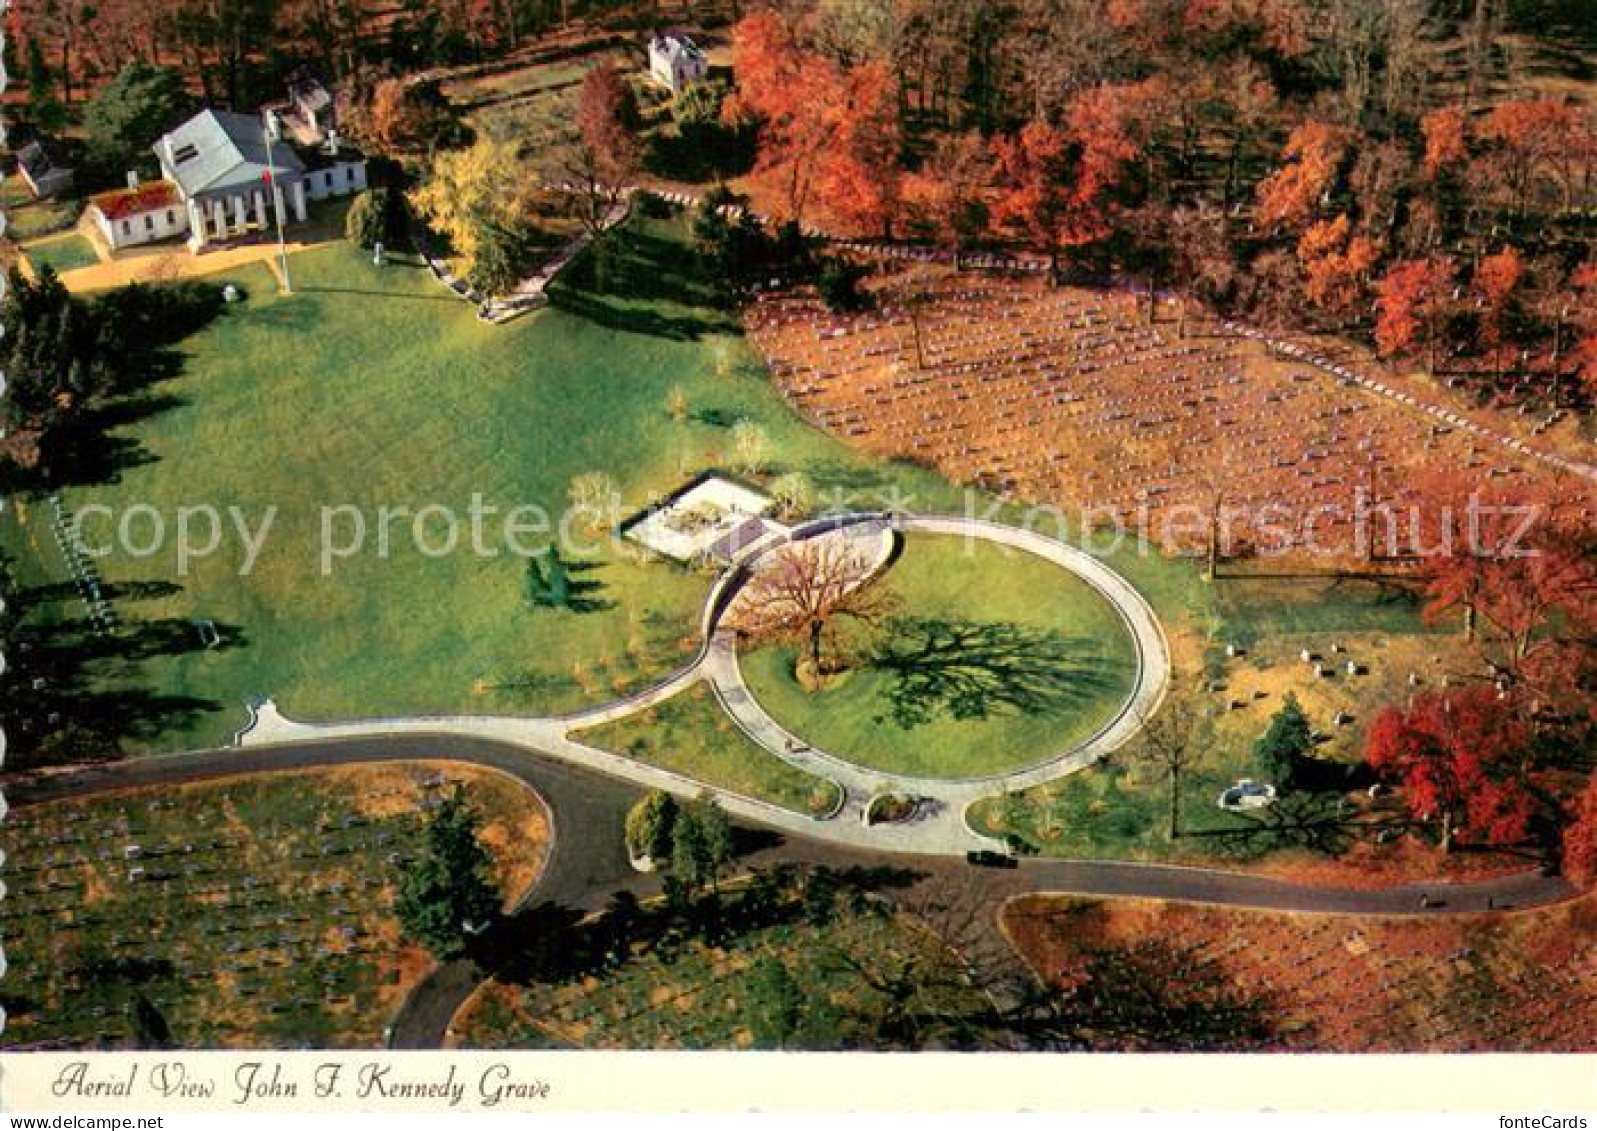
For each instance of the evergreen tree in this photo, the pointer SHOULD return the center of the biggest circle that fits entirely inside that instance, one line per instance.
(1285, 744)
(46, 107)
(548, 581)
(450, 893)
(130, 112)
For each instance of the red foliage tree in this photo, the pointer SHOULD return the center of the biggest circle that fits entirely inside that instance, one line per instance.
(1584, 310)
(1291, 195)
(1580, 837)
(1110, 126)
(789, 91)
(1411, 302)
(609, 155)
(825, 128)
(1533, 137)
(860, 178)
(1459, 758)
(1497, 278)
(1518, 566)
(1336, 266)
(1030, 168)
(949, 192)
(1445, 138)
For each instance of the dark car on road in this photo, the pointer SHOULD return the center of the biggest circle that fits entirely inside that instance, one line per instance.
(986, 858)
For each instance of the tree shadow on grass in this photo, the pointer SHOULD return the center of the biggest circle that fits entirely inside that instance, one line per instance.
(1149, 995)
(1319, 822)
(582, 594)
(970, 670)
(73, 693)
(632, 320)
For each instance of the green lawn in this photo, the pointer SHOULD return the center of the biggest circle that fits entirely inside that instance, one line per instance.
(691, 735)
(64, 253)
(27, 218)
(1032, 657)
(373, 387)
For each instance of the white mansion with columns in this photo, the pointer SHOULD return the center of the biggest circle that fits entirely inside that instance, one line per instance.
(223, 180)
(230, 184)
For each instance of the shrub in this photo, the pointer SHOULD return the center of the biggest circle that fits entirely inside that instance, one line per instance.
(501, 255)
(373, 218)
(653, 206)
(650, 825)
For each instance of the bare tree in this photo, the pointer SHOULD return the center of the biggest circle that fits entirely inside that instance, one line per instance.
(805, 588)
(1169, 741)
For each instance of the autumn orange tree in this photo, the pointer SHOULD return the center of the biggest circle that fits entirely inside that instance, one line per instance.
(1496, 283)
(607, 155)
(860, 177)
(948, 193)
(1584, 308)
(1529, 139)
(1518, 566)
(1460, 758)
(1580, 836)
(1446, 146)
(1412, 302)
(1336, 266)
(1291, 196)
(1030, 169)
(824, 128)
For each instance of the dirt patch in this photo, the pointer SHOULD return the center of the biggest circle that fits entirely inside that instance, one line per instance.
(1069, 396)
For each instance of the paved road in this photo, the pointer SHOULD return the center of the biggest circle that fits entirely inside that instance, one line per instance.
(587, 860)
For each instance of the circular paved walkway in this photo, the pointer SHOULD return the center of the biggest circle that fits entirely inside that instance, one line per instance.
(949, 797)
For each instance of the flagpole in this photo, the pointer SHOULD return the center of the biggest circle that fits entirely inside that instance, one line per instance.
(278, 203)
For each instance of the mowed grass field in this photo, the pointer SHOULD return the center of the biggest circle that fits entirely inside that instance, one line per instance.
(372, 388)
(1118, 808)
(690, 734)
(61, 253)
(1035, 658)
(247, 913)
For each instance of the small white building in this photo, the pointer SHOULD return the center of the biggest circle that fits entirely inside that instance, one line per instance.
(676, 62)
(333, 168)
(139, 215)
